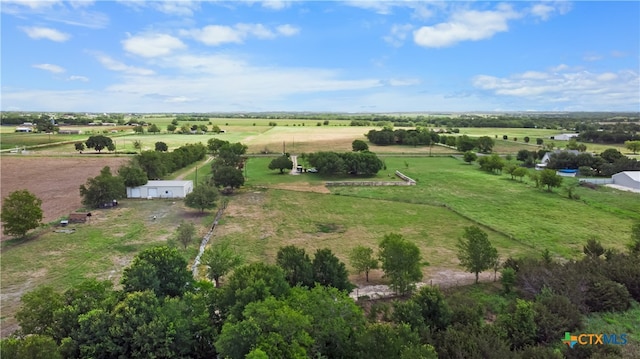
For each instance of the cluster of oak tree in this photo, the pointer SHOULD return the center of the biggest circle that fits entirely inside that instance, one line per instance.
(300, 308)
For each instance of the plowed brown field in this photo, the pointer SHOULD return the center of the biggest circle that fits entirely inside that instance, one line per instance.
(55, 180)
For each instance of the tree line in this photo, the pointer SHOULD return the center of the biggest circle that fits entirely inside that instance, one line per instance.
(300, 308)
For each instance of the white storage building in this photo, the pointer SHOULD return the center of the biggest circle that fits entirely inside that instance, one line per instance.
(630, 179)
(161, 189)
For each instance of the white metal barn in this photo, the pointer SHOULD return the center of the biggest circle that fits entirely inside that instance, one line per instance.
(629, 179)
(161, 189)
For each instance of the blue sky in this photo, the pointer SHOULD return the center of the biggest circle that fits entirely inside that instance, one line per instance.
(338, 56)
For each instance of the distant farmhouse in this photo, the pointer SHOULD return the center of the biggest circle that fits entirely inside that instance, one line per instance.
(547, 157)
(564, 136)
(25, 127)
(161, 189)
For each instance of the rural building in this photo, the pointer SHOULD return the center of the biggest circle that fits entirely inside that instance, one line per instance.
(24, 129)
(629, 179)
(161, 189)
(547, 156)
(564, 136)
(70, 132)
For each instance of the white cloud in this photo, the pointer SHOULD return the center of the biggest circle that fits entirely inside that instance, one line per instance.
(49, 67)
(275, 4)
(467, 25)
(74, 13)
(215, 35)
(152, 45)
(592, 57)
(579, 88)
(14, 6)
(178, 8)
(398, 34)
(115, 65)
(547, 9)
(46, 33)
(78, 78)
(287, 30)
(404, 81)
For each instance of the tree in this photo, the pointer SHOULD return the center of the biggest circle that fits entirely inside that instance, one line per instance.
(32, 347)
(593, 248)
(470, 156)
(133, 175)
(161, 269)
(485, 144)
(296, 264)
(99, 142)
(329, 271)
(611, 155)
(519, 324)
(272, 327)
(475, 252)
(508, 279)
(539, 141)
(220, 259)
(214, 145)
(21, 211)
(185, 233)
(171, 127)
(359, 146)
(228, 177)
(138, 129)
(250, 283)
(137, 144)
(204, 196)
(400, 262)
(36, 316)
(520, 172)
(550, 179)
(161, 147)
(433, 307)
(281, 163)
(153, 163)
(102, 189)
(153, 128)
(465, 143)
(362, 260)
(79, 146)
(526, 139)
(632, 146)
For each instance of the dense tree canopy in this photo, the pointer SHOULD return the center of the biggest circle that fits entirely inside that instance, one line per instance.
(133, 175)
(21, 212)
(400, 262)
(102, 189)
(281, 163)
(161, 269)
(204, 196)
(220, 259)
(99, 142)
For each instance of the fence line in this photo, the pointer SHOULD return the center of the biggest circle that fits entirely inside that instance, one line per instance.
(406, 181)
(205, 240)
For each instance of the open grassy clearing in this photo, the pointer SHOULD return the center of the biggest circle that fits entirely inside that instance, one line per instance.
(537, 218)
(99, 249)
(259, 222)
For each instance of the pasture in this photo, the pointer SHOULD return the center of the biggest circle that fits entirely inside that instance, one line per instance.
(274, 210)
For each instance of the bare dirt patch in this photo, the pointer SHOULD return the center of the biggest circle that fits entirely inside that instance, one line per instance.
(301, 187)
(54, 180)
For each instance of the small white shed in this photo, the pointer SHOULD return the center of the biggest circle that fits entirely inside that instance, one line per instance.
(629, 179)
(161, 189)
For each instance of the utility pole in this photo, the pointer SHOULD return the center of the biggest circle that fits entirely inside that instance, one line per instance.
(196, 185)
